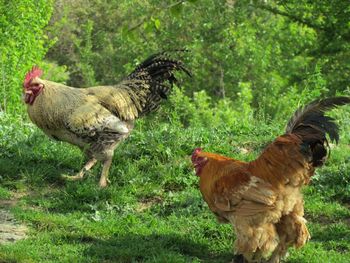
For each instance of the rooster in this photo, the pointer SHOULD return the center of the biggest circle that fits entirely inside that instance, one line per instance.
(97, 119)
(262, 199)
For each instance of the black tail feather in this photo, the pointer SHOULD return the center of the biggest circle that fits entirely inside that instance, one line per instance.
(312, 125)
(312, 118)
(157, 71)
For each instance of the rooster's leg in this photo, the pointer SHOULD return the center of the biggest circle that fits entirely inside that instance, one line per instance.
(104, 174)
(80, 175)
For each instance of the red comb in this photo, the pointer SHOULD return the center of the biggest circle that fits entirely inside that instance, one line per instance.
(195, 152)
(35, 72)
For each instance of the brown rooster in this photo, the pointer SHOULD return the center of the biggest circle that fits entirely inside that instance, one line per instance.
(262, 199)
(96, 119)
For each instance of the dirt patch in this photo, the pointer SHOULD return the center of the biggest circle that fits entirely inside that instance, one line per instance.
(146, 203)
(321, 219)
(347, 205)
(10, 229)
(347, 221)
(326, 220)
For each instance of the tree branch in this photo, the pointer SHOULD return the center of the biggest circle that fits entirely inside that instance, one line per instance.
(292, 17)
(329, 31)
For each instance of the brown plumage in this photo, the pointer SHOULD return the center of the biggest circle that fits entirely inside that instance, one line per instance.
(262, 199)
(96, 119)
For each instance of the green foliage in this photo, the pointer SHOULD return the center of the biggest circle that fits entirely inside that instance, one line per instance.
(54, 72)
(153, 211)
(203, 111)
(84, 47)
(280, 50)
(22, 44)
(253, 62)
(4, 193)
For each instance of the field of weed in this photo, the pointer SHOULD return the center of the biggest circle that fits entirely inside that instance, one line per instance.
(152, 210)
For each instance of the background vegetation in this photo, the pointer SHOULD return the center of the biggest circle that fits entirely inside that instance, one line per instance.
(253, 62)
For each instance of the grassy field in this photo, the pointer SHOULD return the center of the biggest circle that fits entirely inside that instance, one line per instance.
(152, 211)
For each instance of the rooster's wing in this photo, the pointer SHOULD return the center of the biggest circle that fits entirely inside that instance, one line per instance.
(91, 121)
(247, 198)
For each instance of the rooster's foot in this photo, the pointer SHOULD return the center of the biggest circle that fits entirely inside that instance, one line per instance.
(80, 176)
(103, 183)
(77, 177)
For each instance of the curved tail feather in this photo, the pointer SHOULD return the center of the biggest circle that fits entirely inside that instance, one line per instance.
(157, 73)
(312, 125)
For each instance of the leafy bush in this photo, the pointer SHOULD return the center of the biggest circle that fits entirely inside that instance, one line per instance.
(22, 45)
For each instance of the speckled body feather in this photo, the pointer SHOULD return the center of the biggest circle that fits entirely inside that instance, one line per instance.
(262, 199)
(96, 119)
(84, 117)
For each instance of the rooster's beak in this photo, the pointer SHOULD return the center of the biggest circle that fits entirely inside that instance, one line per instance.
(29, 92)
(27, 95)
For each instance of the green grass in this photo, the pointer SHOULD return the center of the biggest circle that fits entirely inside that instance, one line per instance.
(152, 211)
